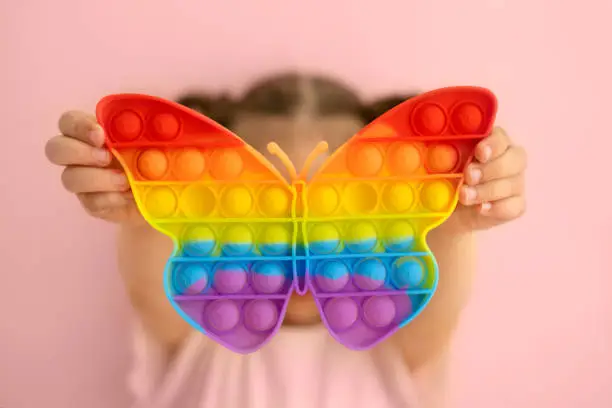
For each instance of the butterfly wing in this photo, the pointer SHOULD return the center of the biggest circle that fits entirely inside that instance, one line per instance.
(372, 203)
(228, 211)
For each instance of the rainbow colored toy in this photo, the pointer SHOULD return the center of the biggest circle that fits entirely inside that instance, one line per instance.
(245, 238)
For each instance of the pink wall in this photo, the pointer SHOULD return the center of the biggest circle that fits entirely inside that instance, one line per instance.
(539, 330)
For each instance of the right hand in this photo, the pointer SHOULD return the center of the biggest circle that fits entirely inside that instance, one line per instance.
(90, 171)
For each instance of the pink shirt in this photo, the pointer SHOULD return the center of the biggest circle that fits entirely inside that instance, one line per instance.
(299, 368)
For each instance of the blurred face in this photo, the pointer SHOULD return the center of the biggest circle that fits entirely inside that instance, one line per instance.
(297, 136)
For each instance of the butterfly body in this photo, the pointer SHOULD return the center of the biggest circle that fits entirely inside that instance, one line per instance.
(245, 238)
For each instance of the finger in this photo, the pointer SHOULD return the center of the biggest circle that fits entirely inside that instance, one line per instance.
(65, 151)
(97, 204)
(507, 209)
(82, 126)
(92, 180)
(511, 163)
(493, 146)
(492, 190)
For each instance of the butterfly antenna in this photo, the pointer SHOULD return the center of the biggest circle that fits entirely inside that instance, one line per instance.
(275, 150)
(320, 148)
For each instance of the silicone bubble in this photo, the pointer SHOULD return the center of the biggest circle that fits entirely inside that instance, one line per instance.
(354, 234)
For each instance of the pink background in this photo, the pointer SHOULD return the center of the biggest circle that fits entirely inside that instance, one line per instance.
(539, 329)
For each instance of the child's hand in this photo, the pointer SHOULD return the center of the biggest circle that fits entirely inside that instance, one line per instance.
(494, 190)
(90, 171)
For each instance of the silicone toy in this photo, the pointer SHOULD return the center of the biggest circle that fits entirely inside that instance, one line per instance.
(354, 234)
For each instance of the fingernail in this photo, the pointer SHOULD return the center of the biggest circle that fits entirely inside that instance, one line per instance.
(96, 135)
(486, 153)
(469, 193)
(475, 174)
(101, 155)
(485, 208)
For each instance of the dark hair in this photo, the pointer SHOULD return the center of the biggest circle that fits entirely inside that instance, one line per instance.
(284, 94)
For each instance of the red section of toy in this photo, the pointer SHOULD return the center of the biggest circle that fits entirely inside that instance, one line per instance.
(134, 121)
(445, 114)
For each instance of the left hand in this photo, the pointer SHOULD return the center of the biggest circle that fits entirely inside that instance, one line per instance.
(494, 189)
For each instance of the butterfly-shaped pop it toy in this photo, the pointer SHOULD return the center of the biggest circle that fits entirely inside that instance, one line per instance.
(246, 238)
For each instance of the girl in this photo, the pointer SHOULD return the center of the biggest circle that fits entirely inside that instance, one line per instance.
(302, 366)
